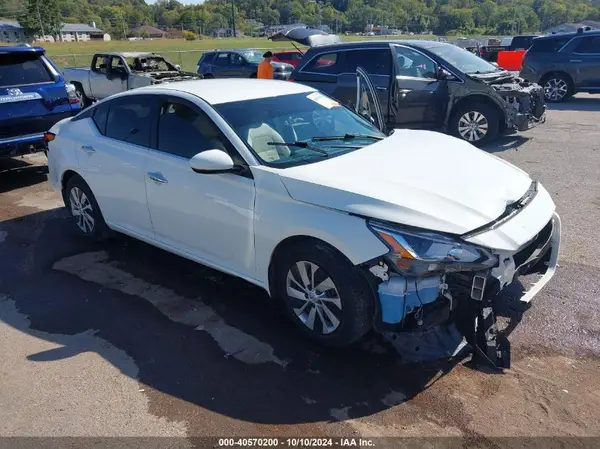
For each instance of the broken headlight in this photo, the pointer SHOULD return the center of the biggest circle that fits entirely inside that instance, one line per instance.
(417, 253)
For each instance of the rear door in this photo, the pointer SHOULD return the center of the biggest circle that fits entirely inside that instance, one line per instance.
(32, 94)
(102, 83)
(418, 98)
(221, 65)
(114, 161)
(586, 60)
(367, 103)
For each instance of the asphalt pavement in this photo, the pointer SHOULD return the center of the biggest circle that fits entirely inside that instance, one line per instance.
(123, 339)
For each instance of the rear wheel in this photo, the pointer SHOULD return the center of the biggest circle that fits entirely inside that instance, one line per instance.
(477, 123)
(84, 209)
(557, 88)
(324, 294)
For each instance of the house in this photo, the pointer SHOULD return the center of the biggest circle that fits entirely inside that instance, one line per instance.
(81, 32)
(148, 31)
(226, 32)
(571, 27)
(11, 32)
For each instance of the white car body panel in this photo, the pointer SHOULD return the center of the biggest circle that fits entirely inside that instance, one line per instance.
(234, 223)
(394, 180)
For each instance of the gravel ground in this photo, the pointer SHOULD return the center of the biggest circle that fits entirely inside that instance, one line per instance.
(123, 339)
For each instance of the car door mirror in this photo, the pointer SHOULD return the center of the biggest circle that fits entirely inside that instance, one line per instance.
(177, 67)
(212, 161)
(444, 75)
(495, 64)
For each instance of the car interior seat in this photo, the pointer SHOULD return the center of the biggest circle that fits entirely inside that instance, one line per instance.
(259, 136)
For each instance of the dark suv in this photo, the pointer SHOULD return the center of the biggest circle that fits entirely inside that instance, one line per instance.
(238, 63)
(564, 64)
(426, 85)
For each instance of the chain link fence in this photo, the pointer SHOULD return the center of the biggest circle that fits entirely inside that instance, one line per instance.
(187, 59)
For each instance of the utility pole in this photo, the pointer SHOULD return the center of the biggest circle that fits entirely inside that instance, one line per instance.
(233, 19)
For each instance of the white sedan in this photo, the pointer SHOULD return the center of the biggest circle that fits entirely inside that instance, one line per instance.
(280, 185)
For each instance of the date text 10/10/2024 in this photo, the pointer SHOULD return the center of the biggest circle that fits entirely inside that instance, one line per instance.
(295, 442)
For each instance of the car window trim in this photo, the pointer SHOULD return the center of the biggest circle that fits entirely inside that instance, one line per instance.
(585, 54)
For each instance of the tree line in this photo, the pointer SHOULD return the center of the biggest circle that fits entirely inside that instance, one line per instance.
(442, 17)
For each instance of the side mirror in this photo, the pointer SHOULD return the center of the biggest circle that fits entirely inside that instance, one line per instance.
(495, 64)
(443, 74)
(212, 161)
(177, 66)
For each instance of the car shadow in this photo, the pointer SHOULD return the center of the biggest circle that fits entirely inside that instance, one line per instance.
(505, 143)
(303, 382)
(18, 173)
(585, 104)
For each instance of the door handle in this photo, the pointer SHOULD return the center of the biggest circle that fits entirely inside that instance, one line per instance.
(88, 149)
(157, 177)
(382, 88)
(404, 91)
(575, 60)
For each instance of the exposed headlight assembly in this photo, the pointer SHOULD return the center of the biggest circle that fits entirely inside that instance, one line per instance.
(417, 253)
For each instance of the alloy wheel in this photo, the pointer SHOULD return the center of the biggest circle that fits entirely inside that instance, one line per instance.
(555, 89)
(82, 210)
(79, 95)
(473, 126)
(315, 298)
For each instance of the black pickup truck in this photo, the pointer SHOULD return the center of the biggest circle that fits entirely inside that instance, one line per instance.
(490, 52)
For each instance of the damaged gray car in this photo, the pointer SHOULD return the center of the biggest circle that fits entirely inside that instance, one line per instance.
(425, 85)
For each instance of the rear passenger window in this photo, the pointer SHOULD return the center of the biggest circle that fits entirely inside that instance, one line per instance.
(590, 44)
(100, 117)
(548, 45)
(222, 59)
(375, 62)
(327, 63)
(129, 120)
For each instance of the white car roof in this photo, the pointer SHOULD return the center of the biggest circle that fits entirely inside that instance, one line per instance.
(228, 90)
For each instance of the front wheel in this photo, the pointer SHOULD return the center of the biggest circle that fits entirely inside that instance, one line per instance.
(477, 123)
(324, 294)
(83, 100)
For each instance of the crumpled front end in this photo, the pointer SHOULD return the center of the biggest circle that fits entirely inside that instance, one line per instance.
(525, 103)
(429, 279)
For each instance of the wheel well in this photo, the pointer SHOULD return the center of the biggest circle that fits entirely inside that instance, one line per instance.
(568, 77)
(65, 179)
(474, 99)
(287, 244)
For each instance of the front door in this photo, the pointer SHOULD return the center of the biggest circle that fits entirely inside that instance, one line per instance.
(102, 82)
(206, 216)
(419, 99)
(367, 103)
(114, 162)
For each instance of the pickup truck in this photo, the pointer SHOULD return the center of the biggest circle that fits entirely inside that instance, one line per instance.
(33, 97)
(111, 73)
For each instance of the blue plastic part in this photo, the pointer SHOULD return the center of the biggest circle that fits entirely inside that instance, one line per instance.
(401, 296)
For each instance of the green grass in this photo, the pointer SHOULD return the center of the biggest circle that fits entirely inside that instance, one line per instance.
(178, 51)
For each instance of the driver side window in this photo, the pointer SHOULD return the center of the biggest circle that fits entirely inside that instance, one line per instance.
(101, 64)
(185, 131)
(117, 66)
(415, 64)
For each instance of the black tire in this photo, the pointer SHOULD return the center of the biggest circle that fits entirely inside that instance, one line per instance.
(254, 75)
(355, 296)
(471, 109)
(85, 101)
(556, 80)
(99, 231)
(208, 76)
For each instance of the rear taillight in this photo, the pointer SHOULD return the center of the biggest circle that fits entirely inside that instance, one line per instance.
(72, 94)
(49, 137)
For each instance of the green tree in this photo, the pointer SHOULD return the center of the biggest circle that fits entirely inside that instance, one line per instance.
(42, 18)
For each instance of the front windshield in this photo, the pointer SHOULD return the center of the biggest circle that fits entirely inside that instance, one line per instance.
(318, 126)
(253, 56)
(463, 60)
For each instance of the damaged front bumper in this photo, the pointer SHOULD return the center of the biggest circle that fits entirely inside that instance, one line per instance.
(524, 102)
(467, 298)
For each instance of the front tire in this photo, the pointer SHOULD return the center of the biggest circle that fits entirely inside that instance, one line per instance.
(477, 123)
(83, 100)
(326, 297)
(84, 209)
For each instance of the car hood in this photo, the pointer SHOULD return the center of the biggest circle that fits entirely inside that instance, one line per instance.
(417, 178)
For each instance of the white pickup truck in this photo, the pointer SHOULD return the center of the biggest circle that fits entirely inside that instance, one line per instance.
(111, 73)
